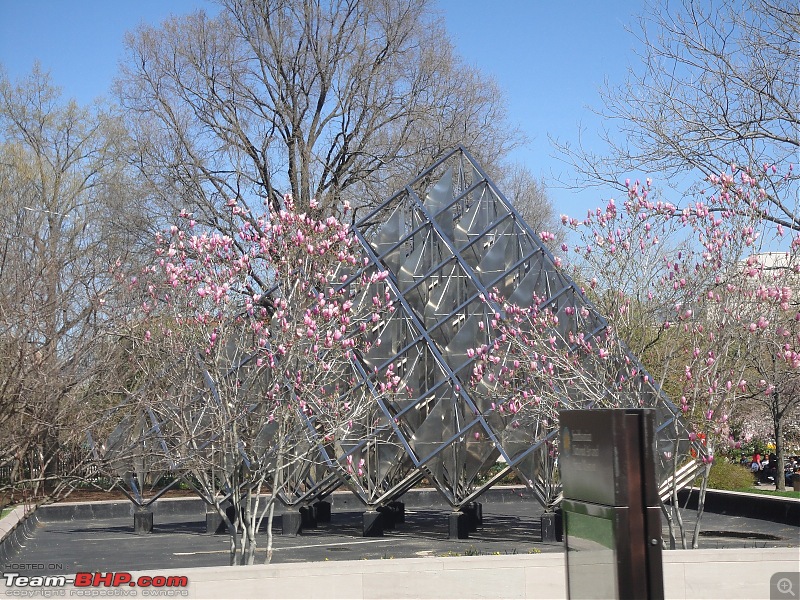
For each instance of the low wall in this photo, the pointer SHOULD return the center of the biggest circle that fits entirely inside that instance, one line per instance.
(112, 509)
(193, 506)
(777, 509)
(754, 506)
(15, 528)
(730, 573)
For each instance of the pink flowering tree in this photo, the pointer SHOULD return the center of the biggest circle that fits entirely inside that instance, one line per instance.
(771, 382)
(245, 348)
(547, 356)
(705, 293)
(690, 291)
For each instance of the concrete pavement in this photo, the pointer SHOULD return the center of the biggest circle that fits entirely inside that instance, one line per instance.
(505, 558)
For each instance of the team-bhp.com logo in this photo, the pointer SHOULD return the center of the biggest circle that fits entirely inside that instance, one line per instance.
(92, 584)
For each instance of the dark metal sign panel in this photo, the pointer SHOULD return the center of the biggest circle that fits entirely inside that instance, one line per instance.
(588, 458)
(611, 508)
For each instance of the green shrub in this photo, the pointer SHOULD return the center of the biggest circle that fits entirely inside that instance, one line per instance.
(729, 476)
(509, 478)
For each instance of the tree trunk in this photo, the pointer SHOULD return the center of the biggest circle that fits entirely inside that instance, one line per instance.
(701, 502)
(236, 545)
(270, 518)
(276, 485)
(673, 515)
(250, 524)
(233, 533)
(670, 523)
(780, 469)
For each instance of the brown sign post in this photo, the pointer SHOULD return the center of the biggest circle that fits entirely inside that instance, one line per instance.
(611, 509)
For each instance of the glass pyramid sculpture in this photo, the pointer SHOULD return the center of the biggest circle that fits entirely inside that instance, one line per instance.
(454, 247)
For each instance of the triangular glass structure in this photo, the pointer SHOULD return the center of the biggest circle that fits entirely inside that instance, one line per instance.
(449, 240)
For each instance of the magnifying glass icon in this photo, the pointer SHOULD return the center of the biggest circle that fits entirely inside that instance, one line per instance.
(785, 587)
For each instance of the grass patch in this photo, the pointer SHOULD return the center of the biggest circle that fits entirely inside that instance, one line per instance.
(473, 551)
(784, 494)
(5, 511)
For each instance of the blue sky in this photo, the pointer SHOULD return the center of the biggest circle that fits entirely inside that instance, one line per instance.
(549, 57)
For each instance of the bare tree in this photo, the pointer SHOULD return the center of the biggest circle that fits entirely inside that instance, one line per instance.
(62, 200)
(334, 101)
(717, 84)
(529, 197)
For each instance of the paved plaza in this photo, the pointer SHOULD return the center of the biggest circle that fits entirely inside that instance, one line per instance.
(179, 539)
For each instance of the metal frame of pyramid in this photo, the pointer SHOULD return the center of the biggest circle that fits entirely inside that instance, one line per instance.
(448, 239)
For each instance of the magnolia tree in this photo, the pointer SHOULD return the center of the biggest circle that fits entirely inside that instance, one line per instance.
(554, 355)
(772, 360)
(690, 291)
(543, 358)
(246, 349)
(713, 315)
